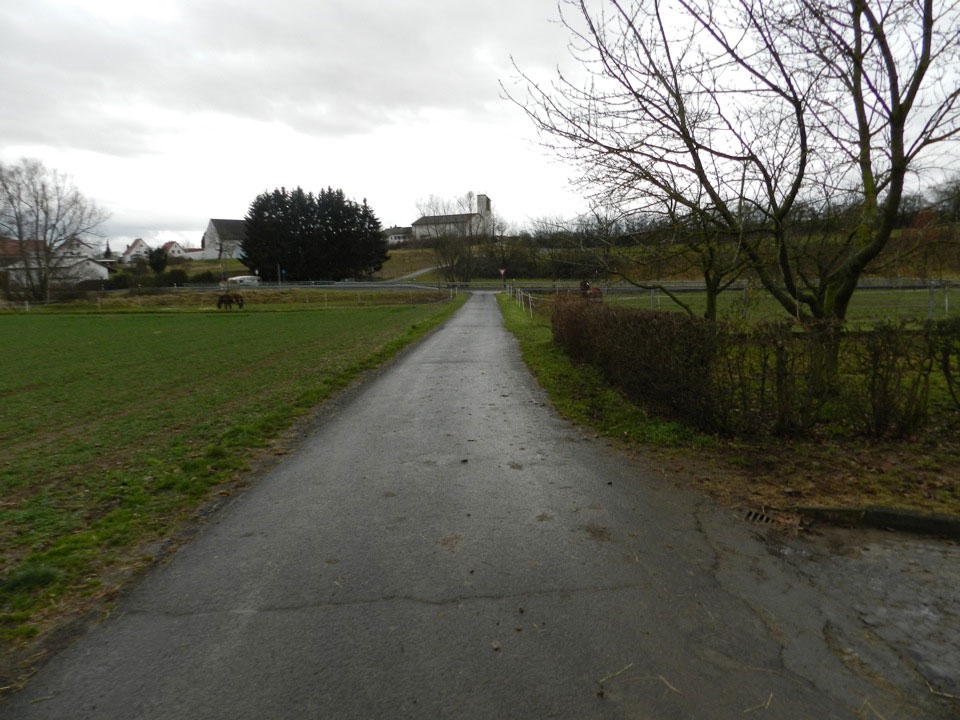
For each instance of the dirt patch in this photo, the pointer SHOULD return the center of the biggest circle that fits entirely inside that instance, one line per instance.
(544, 517)
(777, 476)
(451, 542)
(598, 533)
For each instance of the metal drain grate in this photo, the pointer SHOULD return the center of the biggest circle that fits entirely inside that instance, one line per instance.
(755, 516)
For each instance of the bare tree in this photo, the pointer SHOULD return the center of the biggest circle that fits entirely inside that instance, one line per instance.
(740, 113)
(48, 219)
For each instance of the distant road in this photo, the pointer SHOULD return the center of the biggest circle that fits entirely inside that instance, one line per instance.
(446, 546)
(412, 275)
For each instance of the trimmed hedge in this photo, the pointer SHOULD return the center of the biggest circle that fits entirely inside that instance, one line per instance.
(772, 378)
(671, 377)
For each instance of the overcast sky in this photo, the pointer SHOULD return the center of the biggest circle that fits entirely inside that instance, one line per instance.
(170, 112)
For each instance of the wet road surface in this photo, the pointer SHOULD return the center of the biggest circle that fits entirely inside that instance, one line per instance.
(447, 547)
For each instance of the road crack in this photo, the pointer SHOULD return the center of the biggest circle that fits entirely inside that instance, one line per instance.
(439, 602)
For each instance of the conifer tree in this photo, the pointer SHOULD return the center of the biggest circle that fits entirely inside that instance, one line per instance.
(312, 237)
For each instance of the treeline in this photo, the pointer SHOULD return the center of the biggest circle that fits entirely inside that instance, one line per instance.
(649, 247)
(298, 235)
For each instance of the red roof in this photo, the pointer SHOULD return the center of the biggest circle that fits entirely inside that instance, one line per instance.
(11, 248)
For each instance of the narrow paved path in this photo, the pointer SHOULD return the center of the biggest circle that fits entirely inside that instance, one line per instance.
(448, 547)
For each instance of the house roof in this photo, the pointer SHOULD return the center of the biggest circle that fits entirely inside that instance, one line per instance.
(194, 250)
(397, 230)
(460, 219)
(11, 248)
(169, 244)
(133, 245)
(229, 229)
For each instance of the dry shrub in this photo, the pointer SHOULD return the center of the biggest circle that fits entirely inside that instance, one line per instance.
(890, 378)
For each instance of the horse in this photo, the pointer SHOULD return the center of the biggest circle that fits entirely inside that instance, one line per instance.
(228, 299)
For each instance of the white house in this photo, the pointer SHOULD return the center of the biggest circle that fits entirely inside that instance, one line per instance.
(174, 249)
(138, 248)
(459, 225)
(68, 271)
(222, 238)
(396, 235)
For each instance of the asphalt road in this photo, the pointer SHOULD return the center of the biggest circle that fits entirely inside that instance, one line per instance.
(447, 547)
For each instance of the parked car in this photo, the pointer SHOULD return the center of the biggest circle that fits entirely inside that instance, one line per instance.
(244, 280)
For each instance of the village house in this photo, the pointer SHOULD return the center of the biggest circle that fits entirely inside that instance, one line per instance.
(396, 235)
(222, 239)
(138, 248)
(67, 264)
(173, 249)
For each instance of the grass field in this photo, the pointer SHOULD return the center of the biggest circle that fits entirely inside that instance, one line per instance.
(115, 424)
(404, 262)
(400, 262)
(230, 266)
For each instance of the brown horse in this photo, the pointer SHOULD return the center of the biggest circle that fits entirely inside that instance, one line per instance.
(228, 299)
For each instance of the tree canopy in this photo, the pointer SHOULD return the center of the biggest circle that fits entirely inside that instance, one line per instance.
(746, 120)
(48, 220)
(312, 237)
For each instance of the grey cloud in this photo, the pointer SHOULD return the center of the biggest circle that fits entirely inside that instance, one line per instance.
(326, 68)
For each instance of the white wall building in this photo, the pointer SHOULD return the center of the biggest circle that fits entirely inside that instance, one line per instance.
(458, 225)
(222, 238)
(68, 271)
(396, 235)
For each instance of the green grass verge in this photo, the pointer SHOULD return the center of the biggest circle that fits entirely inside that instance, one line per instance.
(114, 426)
(580, 392)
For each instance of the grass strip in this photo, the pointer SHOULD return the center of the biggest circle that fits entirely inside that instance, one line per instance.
(580, 393)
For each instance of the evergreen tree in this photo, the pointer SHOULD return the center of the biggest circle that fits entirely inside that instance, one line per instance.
(312, 237)
(157, 259)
